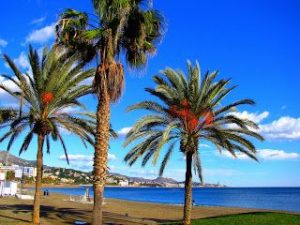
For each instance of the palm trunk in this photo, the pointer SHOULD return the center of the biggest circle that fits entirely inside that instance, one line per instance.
(38, 182)
(187, 213)
(101, 153)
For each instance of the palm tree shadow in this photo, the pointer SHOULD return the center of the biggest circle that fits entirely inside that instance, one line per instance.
(14, 218)
(47, 212)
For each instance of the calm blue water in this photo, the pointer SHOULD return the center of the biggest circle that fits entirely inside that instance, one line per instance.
(287, 199)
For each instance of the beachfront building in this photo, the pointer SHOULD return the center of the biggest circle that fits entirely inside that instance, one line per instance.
(29, 171)
(2, 180)
(2, 175)
(171, 185)
(7, 188)
(134, 184)
(20, 170)
(123, 183)
(110, 180)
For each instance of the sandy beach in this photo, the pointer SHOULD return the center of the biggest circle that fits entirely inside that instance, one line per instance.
(58, 209)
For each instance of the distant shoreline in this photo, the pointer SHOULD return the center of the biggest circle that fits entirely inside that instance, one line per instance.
(117, 186)
(111, 186)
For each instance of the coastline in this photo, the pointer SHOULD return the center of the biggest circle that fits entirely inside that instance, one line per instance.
(149, 201)
(114, 209)
(111, 186)
(117, 186)
(60, 209)
(253, 198)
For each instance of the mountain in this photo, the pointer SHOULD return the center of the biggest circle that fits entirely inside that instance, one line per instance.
(8, 159)
(158, 180)
(165, 180)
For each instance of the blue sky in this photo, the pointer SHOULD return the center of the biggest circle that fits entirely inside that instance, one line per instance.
(256, 43)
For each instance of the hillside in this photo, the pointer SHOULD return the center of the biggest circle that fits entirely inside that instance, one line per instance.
(62, 175)
(8, 159)
(56, 175)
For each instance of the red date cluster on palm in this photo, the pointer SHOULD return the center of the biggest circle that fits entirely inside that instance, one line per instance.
(183, 112)
(209, 117)
(47, 97)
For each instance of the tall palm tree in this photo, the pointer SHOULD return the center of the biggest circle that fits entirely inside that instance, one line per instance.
(127, 27)
(189, 110)
(56, 83)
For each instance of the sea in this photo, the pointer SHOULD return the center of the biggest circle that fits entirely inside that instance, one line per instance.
(285, 199)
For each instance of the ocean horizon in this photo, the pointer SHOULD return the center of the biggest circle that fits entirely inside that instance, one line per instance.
(269, 198)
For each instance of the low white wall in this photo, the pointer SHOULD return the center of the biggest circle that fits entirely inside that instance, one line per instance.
(9, 188)
(25, 197)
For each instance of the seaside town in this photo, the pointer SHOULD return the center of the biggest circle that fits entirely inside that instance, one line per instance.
(13, 177)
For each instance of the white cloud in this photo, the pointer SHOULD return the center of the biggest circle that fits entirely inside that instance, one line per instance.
(82, 158)
(238, 154)
(3, 43)
(255, 117)
(143, 173)
(42, 35)
(221, 172)
(87, 81)
(22, 61)
(4, 96)
(179, 174)
(38, 20)
(71, 110)
(84, 162)
(283, 107)
(205, 146)
(271, 154)
(112, 156)
(6, 65)
(122, 132)
(79, 158)
(266, 154)
(8, 83)
(285, 127)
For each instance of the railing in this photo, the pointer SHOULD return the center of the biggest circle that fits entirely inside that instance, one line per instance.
(72, 198)
(80, 198)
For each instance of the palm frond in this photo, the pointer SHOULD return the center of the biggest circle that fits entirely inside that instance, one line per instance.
(188, 110)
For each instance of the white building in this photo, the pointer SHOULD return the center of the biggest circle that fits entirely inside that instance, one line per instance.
(29, 171)
(2, 175)
(19, 170)
(172, 185)
(18, 173)
(1, 188)
(2, 182)
(8, 188)
(123, 183)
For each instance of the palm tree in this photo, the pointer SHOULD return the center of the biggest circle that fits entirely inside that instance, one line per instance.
(56, 83)
(6, 115)
(118, 26)
(189, 110)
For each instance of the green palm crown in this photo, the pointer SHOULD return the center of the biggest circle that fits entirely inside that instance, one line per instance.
(189, 110)
(47, 98)
(130, 27)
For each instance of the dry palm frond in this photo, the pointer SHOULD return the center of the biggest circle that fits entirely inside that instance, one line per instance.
(112, 76)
